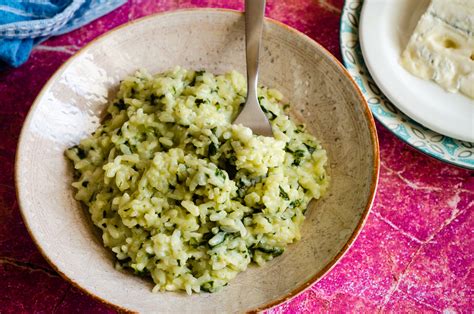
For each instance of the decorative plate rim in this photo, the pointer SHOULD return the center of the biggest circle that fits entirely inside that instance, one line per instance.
(446, 149)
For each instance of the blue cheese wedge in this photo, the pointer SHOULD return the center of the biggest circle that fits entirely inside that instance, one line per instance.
(442, 47)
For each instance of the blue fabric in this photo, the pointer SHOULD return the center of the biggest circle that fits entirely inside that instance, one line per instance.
(25, 23)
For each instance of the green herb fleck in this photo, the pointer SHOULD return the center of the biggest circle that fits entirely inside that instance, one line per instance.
(154, 98)
(212, 150)
(142, 273)
(269, 113)
(199, 102)
(294, 204)
(310, 149)
(274, 251)
(283, 194)
(120, 105)
(208, 286)
(196, 75)
(298, 153)
(220, 173)
(81, 153)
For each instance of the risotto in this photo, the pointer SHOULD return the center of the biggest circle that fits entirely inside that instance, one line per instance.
(185, 197)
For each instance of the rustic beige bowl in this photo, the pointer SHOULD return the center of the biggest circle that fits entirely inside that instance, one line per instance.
(69, 106)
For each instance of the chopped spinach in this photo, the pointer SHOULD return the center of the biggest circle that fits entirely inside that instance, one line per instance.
(81, 153)
(178, 179)
(295, 203)
(241, 192)
(283, 194)
(220, 173)
(229, 165)
(269, 113)
(196, 75)
(142, 273)
(199, 102)
(274, 251)
(120, 105)
(154, 98)
(212, 149)
(298, 155)
(310, 149)
(208, 286)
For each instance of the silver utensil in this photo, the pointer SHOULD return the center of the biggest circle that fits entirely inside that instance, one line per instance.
(252, 115)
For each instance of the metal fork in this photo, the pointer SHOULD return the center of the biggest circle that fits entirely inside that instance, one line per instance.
(252, 115)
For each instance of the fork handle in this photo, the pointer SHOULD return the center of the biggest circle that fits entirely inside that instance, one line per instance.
(254, 14)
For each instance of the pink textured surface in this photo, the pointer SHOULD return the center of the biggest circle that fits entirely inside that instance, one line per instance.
(415, 254)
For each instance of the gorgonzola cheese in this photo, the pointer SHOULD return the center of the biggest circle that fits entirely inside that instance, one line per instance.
(442, 47)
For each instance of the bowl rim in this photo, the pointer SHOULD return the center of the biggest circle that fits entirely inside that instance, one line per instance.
(296, 291)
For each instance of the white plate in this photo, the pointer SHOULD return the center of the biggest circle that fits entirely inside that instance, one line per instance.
(385, 28)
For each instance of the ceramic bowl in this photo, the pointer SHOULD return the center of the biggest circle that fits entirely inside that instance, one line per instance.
(69, 107)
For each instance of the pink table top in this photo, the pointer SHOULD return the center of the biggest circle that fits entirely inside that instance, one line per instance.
(415, 254)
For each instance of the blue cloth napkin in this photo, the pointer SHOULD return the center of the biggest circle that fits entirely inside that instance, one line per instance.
(25, 23)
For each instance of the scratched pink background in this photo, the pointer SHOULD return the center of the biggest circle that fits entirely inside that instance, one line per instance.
(415, 254)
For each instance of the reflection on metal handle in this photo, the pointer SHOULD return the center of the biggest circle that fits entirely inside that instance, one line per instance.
(252, 115)
(254, 14)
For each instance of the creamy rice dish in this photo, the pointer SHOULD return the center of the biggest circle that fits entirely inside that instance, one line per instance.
(184, 196)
